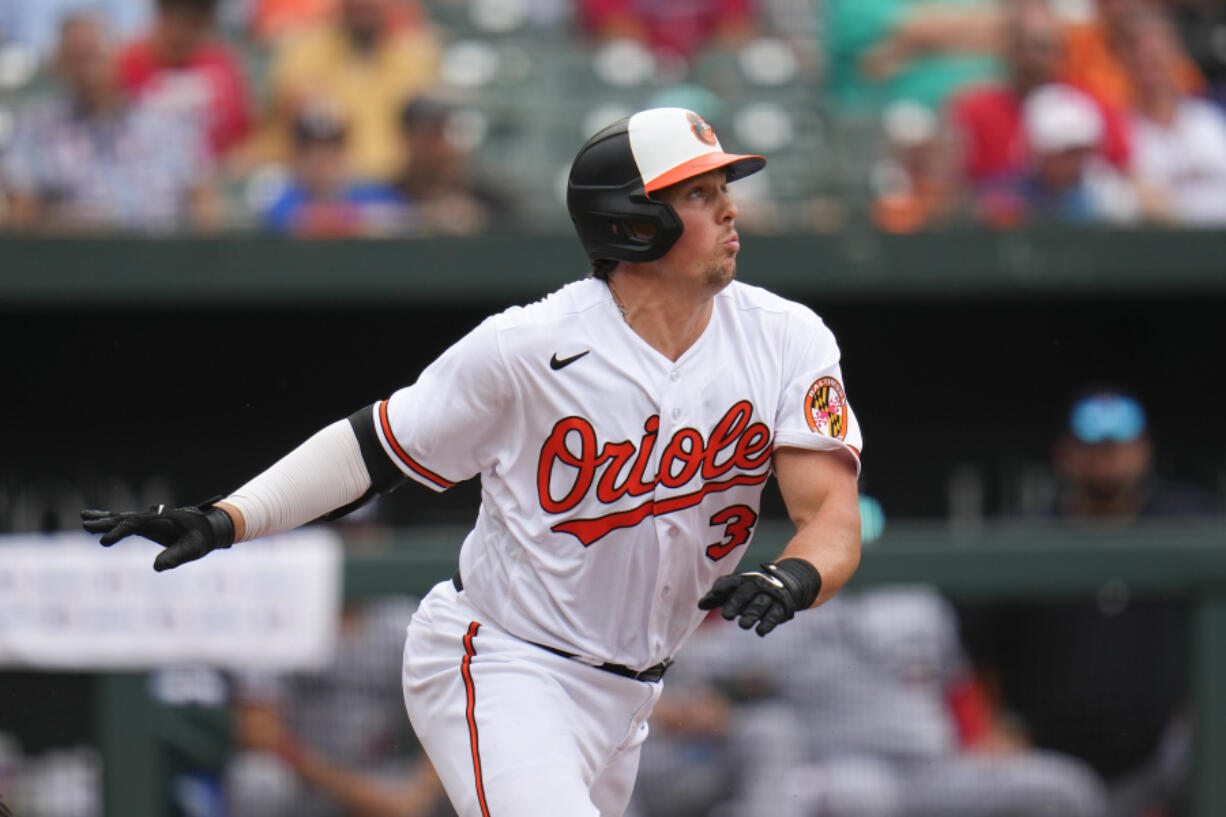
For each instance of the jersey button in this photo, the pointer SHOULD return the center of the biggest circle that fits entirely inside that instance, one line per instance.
(676, 413)
(674, 375)
(666, 589)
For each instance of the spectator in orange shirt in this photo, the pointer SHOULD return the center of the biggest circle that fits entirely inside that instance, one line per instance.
(1094, 56)
(271, 20)
(916, 189)
(180, 68)
(365, 65)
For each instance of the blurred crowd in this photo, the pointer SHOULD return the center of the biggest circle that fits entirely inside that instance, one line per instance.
(337, 118)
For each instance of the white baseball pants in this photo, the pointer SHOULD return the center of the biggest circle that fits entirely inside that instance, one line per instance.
(512, 729)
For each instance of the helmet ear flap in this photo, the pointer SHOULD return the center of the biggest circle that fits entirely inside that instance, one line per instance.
(605, 197)
(607, 225)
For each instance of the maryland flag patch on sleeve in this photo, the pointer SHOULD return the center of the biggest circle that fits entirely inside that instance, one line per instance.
(826, 408)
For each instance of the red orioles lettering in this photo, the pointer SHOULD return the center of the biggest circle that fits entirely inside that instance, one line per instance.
(734, 444)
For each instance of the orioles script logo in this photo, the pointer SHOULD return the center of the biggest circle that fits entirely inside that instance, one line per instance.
(735, 444)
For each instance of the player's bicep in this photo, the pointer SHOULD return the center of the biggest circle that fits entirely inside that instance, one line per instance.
(813, 481)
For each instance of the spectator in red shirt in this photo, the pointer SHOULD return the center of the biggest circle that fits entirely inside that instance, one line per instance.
(678, 28)
(988, 119)
(181, 68)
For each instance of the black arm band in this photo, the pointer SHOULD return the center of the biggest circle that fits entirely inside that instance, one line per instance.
(384, 475)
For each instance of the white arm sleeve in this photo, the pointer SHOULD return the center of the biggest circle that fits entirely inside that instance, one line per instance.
(324, 473)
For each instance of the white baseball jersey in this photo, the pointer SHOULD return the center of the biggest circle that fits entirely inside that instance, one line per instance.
(617, 485)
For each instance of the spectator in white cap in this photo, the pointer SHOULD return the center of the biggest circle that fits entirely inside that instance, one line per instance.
(1066, 180)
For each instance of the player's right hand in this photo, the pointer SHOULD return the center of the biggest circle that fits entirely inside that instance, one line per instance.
(186, 533)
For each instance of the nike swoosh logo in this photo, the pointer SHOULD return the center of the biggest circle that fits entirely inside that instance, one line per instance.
(556, 364)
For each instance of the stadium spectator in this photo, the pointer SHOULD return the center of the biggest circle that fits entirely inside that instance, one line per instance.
(180, 67)
(323, 200)
(867, 711)
(1202, 25)
(915, 185)
(883, 51)
(1104, 679)
(36, 25)
(272, 20)
(1066, 180)
(1093, 57)
(988, 118)
(438, 180)
(334, 743)
(1180, 140)
(89, 158)
(366, 66)
(678, 29)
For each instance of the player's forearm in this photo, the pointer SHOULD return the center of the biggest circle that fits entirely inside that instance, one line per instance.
(829, 539)
(324, 473)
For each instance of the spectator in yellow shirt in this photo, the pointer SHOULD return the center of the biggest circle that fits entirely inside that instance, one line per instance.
(364, 65)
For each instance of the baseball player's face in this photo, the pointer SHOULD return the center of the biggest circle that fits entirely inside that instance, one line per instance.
(706, 251)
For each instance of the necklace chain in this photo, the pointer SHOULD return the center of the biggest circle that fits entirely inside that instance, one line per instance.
(621, 307)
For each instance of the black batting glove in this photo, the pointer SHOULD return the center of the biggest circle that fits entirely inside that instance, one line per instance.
(768, 597)
(187, 533)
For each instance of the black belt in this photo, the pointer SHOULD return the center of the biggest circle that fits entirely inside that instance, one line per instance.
(651, 674)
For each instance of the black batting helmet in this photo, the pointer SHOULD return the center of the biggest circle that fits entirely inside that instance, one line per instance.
(616, 170)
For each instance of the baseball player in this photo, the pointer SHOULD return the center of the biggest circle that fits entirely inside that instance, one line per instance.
(623, 428)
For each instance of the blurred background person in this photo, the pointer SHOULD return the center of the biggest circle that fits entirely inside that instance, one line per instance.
(676, 31)
(1094, 54)
(181, 67)
(1102, 679)
(335, 743)
(867, 710)
(883, 51)
(988, 118)
(35, 24)
(1180, 139)
(1065, 181)
(447, 194)
(89, 158)
(1202, 27)
(272, 20)
(365, 63)
(323, 200)
(916, 187)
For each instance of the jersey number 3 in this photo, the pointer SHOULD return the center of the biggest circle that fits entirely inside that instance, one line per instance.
(738, 521)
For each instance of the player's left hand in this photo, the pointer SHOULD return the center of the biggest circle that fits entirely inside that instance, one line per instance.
(767, 597)
(187, 533)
